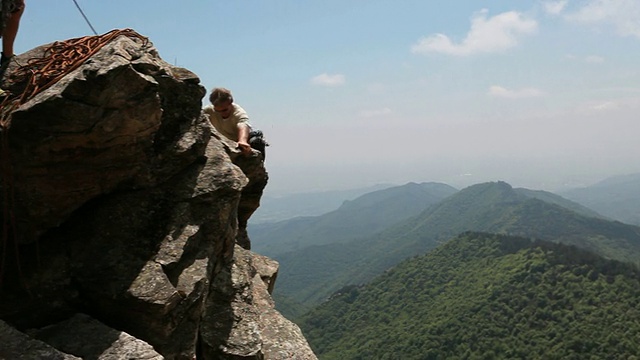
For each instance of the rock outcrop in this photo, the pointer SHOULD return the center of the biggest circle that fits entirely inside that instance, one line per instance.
(125, 206)
(18, 346)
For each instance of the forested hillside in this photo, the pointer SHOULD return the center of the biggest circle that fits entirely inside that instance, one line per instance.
(498, 208)
(363, 216)
(310, 275)
(486, 296)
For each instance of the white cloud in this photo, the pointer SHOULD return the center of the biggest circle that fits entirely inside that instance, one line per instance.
(594, 59)
(499, 91)
(609, 105)
(591, 59)
(494, 34)
(554, 7)
(621, 107)
(328, 80)
(375, 113)
(623, 15)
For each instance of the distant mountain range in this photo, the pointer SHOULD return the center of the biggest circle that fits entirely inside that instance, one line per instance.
(486, 296)
(364, 216)
(310, 274)
(279, 208)
(617, 198)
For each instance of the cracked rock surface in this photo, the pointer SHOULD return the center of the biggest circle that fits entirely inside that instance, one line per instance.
(127, 209)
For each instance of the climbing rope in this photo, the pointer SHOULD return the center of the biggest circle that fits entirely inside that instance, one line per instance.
(85, 17)
(58, 60)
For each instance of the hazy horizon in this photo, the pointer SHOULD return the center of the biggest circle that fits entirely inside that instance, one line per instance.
(458, 181)
(540, 94)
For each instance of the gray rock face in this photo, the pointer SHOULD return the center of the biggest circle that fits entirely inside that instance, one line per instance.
(15, 345)
(240, 321)
(90, 339)
(123, 120)
(128, 205)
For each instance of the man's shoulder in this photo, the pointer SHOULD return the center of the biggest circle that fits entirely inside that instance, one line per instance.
(239, 112)
(238, 108)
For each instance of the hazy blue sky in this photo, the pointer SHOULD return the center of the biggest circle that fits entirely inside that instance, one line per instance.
(541, 94)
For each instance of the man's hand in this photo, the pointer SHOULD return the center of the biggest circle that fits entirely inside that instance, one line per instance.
(244, 147)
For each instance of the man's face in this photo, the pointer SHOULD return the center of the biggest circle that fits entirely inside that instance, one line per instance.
(224, 109)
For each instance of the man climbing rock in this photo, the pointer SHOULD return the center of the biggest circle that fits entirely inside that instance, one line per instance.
(232, 121)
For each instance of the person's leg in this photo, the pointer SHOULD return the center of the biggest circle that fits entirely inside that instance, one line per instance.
(11, 31)
(256, 141)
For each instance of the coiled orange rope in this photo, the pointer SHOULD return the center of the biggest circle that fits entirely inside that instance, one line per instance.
(59, 59)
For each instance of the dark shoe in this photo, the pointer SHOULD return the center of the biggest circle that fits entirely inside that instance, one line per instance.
(257, 141)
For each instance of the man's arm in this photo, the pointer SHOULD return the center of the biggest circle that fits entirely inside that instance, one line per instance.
(243, 138)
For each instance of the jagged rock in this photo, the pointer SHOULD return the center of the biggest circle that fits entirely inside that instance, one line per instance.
(240, 321)
(282, 339)
(15, 345)
(253, 167)
(119, 156)
(90, 339)
(125, 119)
(128, 208)
(267, 269)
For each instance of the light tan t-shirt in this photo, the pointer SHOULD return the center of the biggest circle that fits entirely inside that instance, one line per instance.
(229, 126)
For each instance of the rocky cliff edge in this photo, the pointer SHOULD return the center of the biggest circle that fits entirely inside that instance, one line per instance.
(120, 215)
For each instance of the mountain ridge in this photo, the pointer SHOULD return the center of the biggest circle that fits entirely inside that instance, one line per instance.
(360, 217)
(315, 272)
(276, 208)
(485, 295)
(617, 197)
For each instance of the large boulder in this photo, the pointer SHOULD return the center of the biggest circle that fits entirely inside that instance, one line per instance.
(126, 206)
(18, 346)
(123, 120)
(90, 339)
(240, 320)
